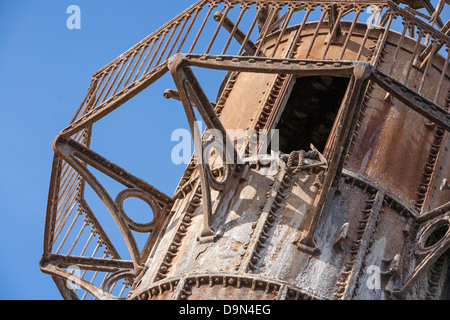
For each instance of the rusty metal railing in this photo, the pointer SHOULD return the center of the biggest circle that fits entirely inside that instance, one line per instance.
(198, 30)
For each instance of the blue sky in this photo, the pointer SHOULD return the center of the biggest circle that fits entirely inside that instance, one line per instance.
(45, 71)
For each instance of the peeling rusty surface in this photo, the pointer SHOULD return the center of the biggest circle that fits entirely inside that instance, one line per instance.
(300, 233)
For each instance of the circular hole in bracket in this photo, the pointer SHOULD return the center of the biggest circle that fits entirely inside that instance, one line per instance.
(434, 234)
(137, 210)
(138, 196)
(218, 170)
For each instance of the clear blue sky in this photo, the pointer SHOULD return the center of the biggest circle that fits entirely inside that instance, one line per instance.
(45, 71)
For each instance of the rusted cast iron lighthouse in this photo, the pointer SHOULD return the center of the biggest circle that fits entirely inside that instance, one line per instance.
(357, 206)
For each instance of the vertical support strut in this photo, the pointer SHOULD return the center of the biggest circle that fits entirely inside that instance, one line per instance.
(339, 147)
(191, 94)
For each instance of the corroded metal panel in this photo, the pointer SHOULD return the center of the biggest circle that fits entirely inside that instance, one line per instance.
(384, 120)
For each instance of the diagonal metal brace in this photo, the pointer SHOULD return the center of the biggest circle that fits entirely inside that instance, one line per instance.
(191, 93)
(412, 99)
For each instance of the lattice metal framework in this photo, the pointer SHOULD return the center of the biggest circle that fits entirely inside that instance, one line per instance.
(235, 36)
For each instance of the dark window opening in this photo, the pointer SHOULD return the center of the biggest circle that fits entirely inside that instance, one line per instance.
(310, 112)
